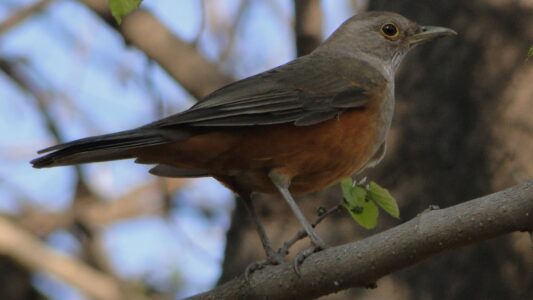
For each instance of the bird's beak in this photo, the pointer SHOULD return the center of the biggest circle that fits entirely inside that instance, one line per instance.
(429, 33)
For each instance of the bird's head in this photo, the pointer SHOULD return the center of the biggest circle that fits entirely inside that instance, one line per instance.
(384, 36)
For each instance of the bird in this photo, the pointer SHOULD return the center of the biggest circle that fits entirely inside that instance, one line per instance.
(297, 128)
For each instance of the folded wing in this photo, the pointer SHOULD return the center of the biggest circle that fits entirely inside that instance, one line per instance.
(293, 93)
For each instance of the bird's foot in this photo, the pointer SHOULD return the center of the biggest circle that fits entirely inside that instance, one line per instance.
(316, 246)
(272, 260)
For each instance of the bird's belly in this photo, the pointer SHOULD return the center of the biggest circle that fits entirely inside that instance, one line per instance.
(314, 157)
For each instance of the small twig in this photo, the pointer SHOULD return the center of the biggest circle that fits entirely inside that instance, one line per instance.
(302, 234)
(21, 15)
(42, 99)
(224, 55)
(202, 24)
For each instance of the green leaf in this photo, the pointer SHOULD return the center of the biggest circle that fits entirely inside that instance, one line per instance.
(346, 186)
(363, 211)
(383, 198)
(365, 214)
(120, 8)
(368, 218)
(530, 52)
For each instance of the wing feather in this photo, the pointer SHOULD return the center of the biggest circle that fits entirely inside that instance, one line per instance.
(294, 92)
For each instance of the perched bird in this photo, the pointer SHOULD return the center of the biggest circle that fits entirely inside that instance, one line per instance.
(294, 129)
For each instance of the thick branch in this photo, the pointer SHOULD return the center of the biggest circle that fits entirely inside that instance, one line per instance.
(361, 263)
(180, 59)
(141, 201)
(29, 251)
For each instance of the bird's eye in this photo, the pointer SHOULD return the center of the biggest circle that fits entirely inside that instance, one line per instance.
(390, 31)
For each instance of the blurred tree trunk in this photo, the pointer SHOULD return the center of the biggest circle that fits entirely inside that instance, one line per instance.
(15, 282)
(307, 25)
(463, 128)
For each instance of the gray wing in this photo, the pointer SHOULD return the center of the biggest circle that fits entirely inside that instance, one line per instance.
(305, 91)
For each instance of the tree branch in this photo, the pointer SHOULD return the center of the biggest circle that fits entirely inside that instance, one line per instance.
(140, 201)
(21, 15)
(180, 59)
(30, 252)
(361, 263)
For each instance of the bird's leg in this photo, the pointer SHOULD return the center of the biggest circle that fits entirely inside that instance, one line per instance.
(282, 183)
(273, 257)
(265, 241)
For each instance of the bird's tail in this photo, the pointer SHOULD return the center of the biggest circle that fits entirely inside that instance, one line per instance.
(99, 148)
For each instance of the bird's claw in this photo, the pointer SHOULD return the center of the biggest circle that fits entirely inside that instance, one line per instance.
(272, 260)
(300, 257)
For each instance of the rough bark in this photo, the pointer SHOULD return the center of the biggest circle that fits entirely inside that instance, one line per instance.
(362, 263)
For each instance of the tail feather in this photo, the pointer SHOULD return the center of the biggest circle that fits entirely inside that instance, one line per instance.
(99, 148)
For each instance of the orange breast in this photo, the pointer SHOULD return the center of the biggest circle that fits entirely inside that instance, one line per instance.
(313, 156)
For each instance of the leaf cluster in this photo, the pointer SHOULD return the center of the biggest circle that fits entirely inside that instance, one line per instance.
(363, 201)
